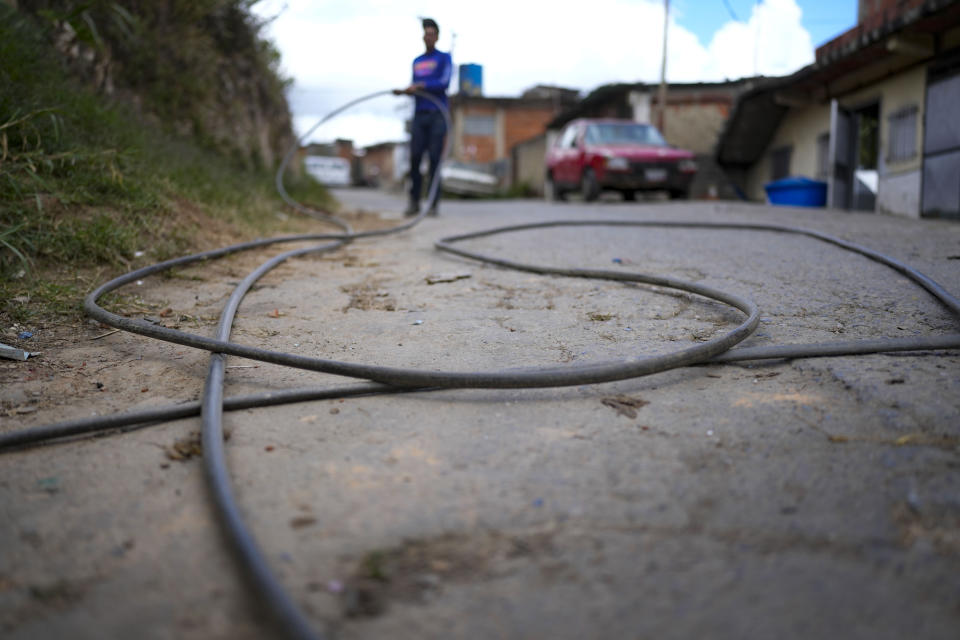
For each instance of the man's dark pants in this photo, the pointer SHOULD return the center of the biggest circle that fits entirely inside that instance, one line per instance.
(426, 136)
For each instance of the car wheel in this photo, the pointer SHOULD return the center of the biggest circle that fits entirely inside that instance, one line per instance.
(630, 196)
(589, 186)
(551, 193)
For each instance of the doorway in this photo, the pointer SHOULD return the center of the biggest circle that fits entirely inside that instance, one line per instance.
(865, 174)
(854, 153)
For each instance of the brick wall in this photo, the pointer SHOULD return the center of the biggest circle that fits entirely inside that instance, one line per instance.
(480, 149)
(514, 122)
(873, 17)
(868, 9)
(524, 123)
(474, 148)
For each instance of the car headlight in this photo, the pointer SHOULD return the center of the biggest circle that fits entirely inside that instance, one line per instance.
(687, 166)
(618, 164)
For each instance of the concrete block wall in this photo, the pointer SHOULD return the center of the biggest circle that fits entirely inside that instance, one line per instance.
(695, 126)
(527, 165)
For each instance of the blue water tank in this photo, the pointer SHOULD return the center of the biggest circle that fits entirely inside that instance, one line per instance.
(471, 79)
(797, 192)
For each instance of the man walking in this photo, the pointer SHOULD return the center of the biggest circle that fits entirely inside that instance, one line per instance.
(431, 74)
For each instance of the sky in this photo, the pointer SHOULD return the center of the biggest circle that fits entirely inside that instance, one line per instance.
(337, 51)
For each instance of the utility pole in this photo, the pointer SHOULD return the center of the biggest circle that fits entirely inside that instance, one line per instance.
(662, 93)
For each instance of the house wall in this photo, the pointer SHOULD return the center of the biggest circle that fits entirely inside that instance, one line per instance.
(474, 148)
(375, 165)
(480, 149)
(899, 182)
(899, 191)
(693, 119)
(385, 164)
(513, 123)
(695, 125)
(528, 163)
(798, 129)
(902, 90)
(524, 123)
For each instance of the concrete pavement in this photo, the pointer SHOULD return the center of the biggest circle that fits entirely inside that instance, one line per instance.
(799, 499)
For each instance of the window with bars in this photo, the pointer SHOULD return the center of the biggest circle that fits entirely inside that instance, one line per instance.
(780, 162)
(902, 139)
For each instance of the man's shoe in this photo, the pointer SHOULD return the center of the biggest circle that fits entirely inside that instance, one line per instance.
(432, 211)
(412, 209)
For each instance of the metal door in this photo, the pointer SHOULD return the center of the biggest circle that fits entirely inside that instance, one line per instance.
(941, 148)
(841, 157)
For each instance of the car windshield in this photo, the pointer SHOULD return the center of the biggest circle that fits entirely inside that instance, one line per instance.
(614, 133)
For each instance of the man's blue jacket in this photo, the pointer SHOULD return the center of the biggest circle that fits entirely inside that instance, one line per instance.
(433, 70)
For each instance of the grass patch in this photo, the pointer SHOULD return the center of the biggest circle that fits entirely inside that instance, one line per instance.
(88, 186)
(39, 299)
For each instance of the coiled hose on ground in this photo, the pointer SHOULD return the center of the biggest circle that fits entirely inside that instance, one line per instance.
(395, 380)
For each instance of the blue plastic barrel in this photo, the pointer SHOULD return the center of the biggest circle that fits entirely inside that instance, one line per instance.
(797, 192)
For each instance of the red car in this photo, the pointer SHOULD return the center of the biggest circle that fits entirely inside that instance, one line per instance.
(594, 155)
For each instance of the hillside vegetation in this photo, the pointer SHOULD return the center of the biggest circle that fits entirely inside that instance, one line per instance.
(131, 132)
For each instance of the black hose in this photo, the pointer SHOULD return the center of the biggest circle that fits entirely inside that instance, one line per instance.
(156, 415)
(568, 375)
(289, 617)
(392, 379)
(513, 379)
(279, 602)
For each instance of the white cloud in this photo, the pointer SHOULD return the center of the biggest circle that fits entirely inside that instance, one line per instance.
(773, 42)
(340, 51)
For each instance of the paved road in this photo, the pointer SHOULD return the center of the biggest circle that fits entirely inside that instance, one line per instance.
(789, 499)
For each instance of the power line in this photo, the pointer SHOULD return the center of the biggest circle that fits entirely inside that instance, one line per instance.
(733, 15)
